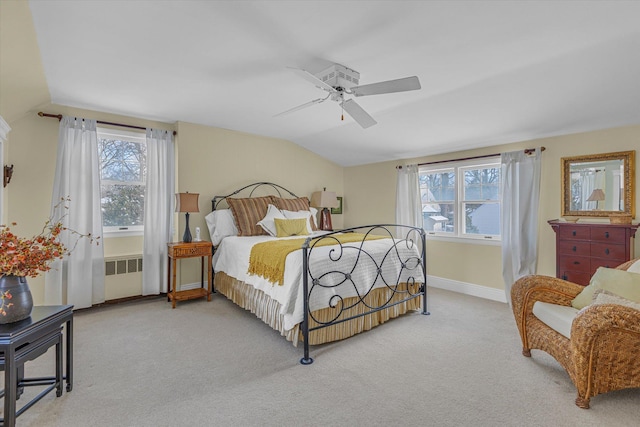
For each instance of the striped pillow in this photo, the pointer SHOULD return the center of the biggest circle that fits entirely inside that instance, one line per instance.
(294, 205)
(248, 212)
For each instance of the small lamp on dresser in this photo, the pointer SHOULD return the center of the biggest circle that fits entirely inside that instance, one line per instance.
(324, 200)
(187, 202)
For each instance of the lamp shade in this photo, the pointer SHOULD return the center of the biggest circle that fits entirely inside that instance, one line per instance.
(596, 195)
(187, 202)
(324, 199)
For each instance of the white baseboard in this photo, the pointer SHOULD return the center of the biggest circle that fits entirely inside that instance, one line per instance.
(467, 288)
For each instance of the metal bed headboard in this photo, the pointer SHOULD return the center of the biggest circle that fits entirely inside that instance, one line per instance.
(217, 199)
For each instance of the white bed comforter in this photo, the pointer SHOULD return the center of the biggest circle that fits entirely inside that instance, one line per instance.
(232, 258)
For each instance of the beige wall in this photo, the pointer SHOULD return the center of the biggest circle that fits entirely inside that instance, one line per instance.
(210, 161)
(370, 194)
(214, 161)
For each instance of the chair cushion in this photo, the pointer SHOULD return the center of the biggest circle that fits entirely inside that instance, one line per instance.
(619, 282)
(557, 317)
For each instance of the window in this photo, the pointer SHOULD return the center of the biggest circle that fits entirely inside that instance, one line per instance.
(462, 199)
(122, 158)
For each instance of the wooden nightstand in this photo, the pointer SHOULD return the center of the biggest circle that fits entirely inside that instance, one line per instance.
(179, 250)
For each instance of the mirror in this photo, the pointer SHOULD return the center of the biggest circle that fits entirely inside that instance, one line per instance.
(598, 185)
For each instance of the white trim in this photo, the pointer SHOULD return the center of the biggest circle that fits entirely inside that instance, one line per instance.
(493, 241)
(467, 288)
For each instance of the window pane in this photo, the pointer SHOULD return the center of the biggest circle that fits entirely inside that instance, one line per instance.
(482, 218)
(122, 160)
(122, 205)
(482, 184)
(438, 217)
(438, 186)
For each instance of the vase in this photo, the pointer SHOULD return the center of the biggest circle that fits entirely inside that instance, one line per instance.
(16, 301)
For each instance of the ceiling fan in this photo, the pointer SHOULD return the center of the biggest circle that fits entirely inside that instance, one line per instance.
(338, 81)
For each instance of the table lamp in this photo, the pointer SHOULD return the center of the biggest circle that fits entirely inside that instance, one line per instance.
(325, 199)
(596, 196)
(187, 202)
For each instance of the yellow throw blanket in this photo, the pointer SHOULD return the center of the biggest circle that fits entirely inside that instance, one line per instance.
(267, 259)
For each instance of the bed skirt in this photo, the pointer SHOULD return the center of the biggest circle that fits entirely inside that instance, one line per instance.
(268, 310)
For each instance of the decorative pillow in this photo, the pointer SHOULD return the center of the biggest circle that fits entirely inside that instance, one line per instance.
(635, 267)
(602, 296)
(619, 282)
(291, 227)
(247, 212)
(267, 222)
(294, 205)
(300, 214)
(221, 225)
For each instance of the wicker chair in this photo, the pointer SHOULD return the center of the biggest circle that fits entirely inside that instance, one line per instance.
(603, 353)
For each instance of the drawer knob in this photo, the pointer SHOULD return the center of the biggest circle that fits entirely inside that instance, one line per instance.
(576, 262)
(606, 234)
(606, 251)
(573, 232)
(574, 248)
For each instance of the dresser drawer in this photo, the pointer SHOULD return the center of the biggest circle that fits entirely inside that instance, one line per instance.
(576, 277)
(575, 233)
(609, 251)
(602, 262)
(607, 234)
(575, 263)
(574, 247)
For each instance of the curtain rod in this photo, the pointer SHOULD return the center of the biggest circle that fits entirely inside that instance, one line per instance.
(526, 151)
(59, 117)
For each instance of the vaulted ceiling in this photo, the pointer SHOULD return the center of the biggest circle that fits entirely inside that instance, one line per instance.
(491, 72)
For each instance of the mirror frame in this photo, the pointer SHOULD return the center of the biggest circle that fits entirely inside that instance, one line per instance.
(628, 158)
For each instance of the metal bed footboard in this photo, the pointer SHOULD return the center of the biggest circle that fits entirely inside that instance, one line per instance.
(403, 288)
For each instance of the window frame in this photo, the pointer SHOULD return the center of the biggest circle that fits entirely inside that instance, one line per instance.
(130, 136)
(459, 167)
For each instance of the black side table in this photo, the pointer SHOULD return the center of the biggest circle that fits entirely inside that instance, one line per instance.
(26, 340)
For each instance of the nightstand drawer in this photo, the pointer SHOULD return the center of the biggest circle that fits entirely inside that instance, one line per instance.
(191, 251)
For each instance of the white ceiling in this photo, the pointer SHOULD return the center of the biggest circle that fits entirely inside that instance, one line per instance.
(492, 72)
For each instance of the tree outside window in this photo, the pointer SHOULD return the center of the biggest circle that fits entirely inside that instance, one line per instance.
(123, 176)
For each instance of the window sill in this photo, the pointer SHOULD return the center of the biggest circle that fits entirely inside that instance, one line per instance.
(122, 233)
(464, 240)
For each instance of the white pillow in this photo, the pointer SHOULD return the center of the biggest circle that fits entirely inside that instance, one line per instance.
(268, 222)
(300, 214)
(635, 267)
(221, 224)
(314, 216)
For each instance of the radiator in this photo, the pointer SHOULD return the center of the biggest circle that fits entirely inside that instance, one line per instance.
(123, 265)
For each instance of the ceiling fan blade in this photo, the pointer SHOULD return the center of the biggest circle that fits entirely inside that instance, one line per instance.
(390, 86)
(300, 107)
(359, 115)
(313, 79)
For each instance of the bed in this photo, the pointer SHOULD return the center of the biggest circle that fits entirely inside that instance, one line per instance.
(312, 285)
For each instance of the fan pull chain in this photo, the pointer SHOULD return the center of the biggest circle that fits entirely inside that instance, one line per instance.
(342, 113)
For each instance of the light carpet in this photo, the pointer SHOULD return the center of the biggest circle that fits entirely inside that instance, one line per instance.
(214, 364)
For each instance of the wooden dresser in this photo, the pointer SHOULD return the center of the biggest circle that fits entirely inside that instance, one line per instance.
(583, 247)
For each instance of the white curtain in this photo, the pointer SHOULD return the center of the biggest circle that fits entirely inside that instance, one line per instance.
(519, 215)
(408, 199)
(79, 278)
(158, 210)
